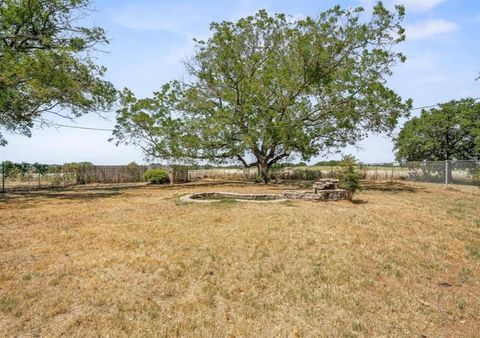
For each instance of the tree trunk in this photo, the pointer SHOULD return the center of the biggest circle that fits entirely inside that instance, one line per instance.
(449, 173)
(263, 172)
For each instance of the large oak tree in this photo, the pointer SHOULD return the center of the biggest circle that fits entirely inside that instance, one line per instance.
(268, 87)
(449, 132)
(46, 63)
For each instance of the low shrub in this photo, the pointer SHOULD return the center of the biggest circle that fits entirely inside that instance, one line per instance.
(348, 175)
(156, 176)
(476, 177)
(134, 172)
(296, 174)
(84, 171)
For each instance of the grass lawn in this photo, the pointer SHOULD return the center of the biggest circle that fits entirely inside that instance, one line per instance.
(401, 260)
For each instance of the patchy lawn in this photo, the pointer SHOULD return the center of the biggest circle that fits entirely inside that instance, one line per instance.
(401, 260)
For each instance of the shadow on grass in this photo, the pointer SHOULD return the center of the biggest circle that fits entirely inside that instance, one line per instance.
(389, 187)
(91, 192)
(291, 183)
(58, 195)
(358, 201)
(199, 184)
(96, 191)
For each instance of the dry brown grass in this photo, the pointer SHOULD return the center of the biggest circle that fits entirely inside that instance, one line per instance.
(400, 261)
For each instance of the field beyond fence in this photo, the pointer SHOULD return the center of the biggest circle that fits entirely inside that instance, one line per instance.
(26, 176)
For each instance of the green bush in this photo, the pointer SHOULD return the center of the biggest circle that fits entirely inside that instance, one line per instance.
(348, 175)
(156, 176)
(83, 171)
(476, 176)
(8, 169)
(134, 172)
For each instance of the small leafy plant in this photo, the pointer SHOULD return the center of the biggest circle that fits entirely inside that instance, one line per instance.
(83, 171)
(476, 177)
(156, 176)
(348, 175)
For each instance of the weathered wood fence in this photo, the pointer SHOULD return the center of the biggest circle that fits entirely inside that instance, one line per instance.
(56, 176)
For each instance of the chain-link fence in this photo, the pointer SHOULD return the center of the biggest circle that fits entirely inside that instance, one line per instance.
(25, 176)
(442, 172)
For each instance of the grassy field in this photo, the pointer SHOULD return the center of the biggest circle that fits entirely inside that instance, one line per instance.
(401, 260)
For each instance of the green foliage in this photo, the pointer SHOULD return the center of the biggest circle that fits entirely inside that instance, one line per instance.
(156, 176)
(82, 170)
(476, 176)
(23, 169)
(8, 168)
(134, 172)
(46, 63)
(449, 132)
(75, 166)
(265, 88)
(41, 169)
(14, 170)
(296, 174)
(348, 175)
(283, 165)
(331, 163)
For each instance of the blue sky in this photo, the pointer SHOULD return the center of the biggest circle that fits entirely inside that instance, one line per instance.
(149, 38)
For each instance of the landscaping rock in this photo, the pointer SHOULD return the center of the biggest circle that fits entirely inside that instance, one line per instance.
(325, 189)
(320, 195)
(325, 184)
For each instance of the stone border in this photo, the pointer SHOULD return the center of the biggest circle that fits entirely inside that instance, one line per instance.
(256, 198)
(318, 195)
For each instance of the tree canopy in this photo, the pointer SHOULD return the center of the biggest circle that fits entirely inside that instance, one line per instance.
(46, 63)
(449, 132)
(266, 88)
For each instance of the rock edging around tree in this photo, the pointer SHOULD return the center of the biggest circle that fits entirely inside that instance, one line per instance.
(208, 197)
(323, 190)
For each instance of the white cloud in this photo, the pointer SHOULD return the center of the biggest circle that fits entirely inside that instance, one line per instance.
(138, 21)
(182, 17)
(154, 20)
(410, 5)
(420, 5)
(428, 28)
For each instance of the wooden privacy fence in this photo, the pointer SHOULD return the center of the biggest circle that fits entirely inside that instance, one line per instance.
(127, 174)
(178, 175)
(113, 173)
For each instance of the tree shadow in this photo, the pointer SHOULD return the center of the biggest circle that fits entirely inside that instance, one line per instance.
(394, 187)
(72, 195)
(358, 201)
(301, 184)
(96, 191)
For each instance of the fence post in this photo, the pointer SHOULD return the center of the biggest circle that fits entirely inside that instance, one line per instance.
(446, 173)
(3, 177)
(392, 173)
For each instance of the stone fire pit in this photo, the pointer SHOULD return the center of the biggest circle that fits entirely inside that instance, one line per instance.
(325, 189)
